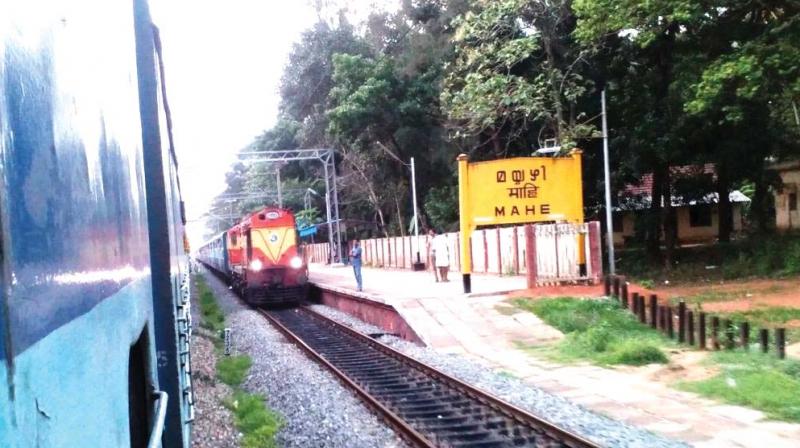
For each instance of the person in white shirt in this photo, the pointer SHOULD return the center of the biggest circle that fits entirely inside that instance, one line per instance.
(441, 250)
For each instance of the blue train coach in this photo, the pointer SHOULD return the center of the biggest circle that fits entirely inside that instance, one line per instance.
(94, 321)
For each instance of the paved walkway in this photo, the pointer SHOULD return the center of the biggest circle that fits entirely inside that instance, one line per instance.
(484, 327)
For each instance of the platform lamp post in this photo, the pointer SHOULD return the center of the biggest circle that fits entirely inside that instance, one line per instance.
(416, 218)
(607, 175)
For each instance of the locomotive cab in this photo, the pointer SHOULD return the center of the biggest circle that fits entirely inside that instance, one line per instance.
(271, 270)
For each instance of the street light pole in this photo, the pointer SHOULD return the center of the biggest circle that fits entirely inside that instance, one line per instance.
(414, 193)
(607, 175)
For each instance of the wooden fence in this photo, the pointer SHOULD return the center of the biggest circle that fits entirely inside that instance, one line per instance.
(691, 326)
(564, 252)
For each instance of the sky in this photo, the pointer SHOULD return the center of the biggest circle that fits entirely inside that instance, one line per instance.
(223, 63)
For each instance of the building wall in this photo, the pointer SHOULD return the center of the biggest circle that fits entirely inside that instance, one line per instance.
(686, 233)
(628, 228)
(786, 219)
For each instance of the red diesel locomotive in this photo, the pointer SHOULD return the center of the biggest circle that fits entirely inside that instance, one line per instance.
(260, 257)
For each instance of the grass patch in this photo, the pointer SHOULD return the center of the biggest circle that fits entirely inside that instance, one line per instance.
(257, 423)
(232, 370)
(213, 317)
(756, 380)
(599, 331)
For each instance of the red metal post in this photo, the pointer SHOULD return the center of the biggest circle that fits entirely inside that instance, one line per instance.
(595, 247)
(530, 255)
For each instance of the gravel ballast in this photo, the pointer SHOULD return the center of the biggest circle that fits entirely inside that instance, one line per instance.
(317, 410)
(558, 410)
(213, 423)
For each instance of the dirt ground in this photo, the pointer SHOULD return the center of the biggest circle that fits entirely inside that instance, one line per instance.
(740, 295)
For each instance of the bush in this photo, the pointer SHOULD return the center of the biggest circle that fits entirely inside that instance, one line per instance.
(232, 370)
(595, 339)
(599, 330)
(257, 423)
(636, 353)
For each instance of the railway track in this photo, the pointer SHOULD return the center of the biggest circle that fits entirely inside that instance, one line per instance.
(426, 407)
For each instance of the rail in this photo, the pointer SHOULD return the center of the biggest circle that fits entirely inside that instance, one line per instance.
(480, 416)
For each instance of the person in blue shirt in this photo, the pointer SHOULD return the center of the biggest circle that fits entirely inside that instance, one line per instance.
(355, 260)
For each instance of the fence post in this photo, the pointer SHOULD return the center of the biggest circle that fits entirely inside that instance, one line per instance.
(515, 245)
(458, 251)
(682, 321)
(744, 331)
(701, 324)
(690, 327)
(763, 336)
(607, 285)
(403, 262)
(617, 281)
(485, 252)
(642, 311)
(471, 256)
(499, 254)
(624, 295)
(530, 255)
(780, 342)
(653, 310)
(715, 332)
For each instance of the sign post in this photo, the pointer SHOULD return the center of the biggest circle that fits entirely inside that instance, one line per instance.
(464, 208)
(515, 191)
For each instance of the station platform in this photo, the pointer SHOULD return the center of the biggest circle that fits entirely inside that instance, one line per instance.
(484, 326)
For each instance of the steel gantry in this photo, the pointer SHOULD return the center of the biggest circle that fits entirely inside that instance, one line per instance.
(326, 156)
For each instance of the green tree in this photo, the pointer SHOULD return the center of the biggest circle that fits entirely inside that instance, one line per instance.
(516, 71)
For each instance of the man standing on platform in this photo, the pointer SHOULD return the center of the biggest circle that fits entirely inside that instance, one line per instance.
(432, 254)
(355, 260)
(442, 250)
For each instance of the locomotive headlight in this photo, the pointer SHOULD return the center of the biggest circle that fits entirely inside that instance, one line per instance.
(256, 265)
(296, 262)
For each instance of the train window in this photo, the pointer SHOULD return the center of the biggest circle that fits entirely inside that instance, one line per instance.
(233, 239)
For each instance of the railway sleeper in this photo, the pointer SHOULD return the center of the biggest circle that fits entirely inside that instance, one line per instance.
(396, 381)
(471, 436)
(474, 425)
(423, 392)
(379, 370)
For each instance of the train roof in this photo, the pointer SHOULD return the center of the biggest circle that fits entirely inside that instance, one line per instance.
(269, 217)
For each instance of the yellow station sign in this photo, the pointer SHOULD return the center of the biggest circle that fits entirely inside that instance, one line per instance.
(518, 190)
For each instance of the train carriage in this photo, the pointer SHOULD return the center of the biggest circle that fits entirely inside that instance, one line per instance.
(94, 321)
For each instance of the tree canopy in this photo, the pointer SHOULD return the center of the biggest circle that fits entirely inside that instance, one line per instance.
(688, 82)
